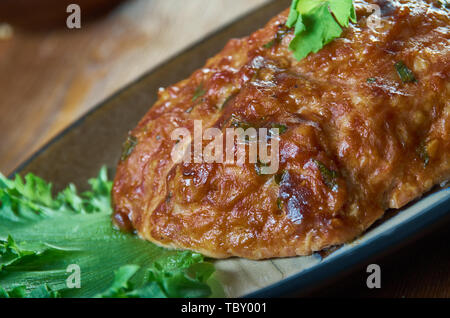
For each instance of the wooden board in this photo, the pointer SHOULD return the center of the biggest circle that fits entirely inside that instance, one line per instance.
(47, 80)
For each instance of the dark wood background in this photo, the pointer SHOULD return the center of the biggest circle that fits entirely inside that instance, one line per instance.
(50, 78)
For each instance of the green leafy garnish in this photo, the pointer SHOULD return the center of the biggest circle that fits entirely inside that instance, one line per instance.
(269, 44)
(281, 128)
(280, 176)
(42, 291)
(281, 33)
(317, 23)
(121, 286)
(9, 252)
(329, 176)
(423, 153)
(17, 292)
(280, 204)
(199, 92)
(406, 75)
(236, 123)
(41, 235)
(128, 147)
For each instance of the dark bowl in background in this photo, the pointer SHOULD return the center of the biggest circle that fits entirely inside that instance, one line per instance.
(44, 14)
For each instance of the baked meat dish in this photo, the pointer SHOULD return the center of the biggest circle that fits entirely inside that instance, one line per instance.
(363, 127)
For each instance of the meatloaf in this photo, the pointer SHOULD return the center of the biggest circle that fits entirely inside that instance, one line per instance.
(364, 127)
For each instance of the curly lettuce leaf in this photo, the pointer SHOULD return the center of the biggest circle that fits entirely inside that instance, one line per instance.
(10, 252)
(182, 275)
(41, 235)
(42, 291)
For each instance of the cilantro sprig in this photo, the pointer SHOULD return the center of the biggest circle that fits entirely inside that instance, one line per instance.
(317, 23)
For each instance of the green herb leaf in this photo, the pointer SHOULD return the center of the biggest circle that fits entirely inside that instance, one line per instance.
(121, 284)
(281, 128)
(329, 176)
(183, 277)
(280, 176)
(17, 292)
(293, 14)
(406, 75)
(281, 33)
(423, 153)
(317, 23)
(42, 291)
(199, 92)
(41, 235)
(280, 204)
(128, 147)
(269, 44)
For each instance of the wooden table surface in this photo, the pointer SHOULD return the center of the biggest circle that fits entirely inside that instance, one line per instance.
(48, 79)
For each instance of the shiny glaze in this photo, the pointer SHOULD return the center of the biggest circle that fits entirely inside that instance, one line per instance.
(367, 131)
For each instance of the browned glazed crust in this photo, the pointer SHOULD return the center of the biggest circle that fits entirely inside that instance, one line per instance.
(373, 132)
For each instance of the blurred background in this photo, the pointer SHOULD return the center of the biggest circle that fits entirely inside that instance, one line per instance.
(50, 75)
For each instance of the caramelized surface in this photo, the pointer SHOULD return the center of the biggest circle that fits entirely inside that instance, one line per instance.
(347, 112)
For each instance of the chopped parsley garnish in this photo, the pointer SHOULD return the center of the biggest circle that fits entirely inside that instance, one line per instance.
(280, 176)
(281, 33)
(269, 44)
(281, 128)
(42, 291)
(423, 153)
(317, 23)
(280, 204)
(199, 92)
(184, 275)
(236, 123)
(328, 176)
(128, 147)
(406, 75)
(371, 80)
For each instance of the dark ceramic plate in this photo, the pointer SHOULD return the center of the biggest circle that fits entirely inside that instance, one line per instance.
(95, 140)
